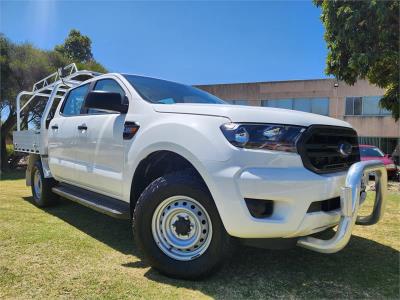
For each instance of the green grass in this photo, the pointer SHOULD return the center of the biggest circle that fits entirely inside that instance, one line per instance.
(70, 251)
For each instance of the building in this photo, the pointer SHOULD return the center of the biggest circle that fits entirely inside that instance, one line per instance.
(357, 104)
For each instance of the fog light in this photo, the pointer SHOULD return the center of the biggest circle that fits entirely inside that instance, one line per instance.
(259, 208)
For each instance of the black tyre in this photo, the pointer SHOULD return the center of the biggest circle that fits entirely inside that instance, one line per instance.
(41, 187)
(178, 228)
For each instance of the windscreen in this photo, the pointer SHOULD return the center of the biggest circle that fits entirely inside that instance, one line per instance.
(374, 152)
(166, 92)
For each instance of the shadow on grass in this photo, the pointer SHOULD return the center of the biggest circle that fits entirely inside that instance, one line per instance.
(112, 232)
(364, 268)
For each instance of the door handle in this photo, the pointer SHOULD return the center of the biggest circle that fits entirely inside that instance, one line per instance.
(82, 127)
(54, 127)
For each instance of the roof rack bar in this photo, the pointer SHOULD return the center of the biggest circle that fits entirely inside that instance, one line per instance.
(19, 109)
(38, 95)
(49, 104)
(62, 81)
(71, 68)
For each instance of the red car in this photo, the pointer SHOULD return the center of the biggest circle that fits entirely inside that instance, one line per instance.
(370, 152)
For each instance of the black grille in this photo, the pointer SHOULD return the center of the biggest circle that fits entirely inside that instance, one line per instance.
(319, 148)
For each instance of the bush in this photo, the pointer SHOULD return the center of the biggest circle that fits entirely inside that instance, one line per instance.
(10, 149)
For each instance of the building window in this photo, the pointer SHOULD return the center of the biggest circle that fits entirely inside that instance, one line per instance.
(238, 102)
(370, 106)
(312, 105)
(320, 106)
(284, 103)
(365, 106)
(302, 105)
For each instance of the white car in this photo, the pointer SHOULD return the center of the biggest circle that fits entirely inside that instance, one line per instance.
(194, 174)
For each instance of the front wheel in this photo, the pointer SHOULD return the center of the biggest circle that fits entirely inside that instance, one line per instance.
(177, 225)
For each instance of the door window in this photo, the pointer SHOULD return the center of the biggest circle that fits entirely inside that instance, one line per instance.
(74, 101)
(108, 85)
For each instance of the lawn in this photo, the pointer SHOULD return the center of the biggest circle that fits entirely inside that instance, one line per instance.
(70, 251)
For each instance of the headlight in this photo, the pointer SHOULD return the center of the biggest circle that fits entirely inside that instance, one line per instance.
(263, 136)
(390, 166)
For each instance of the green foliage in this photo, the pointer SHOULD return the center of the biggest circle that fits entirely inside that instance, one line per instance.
(363, 42)
(92, 66)
(10, 150)
(76, 47)
(21, 65)
(5, 70)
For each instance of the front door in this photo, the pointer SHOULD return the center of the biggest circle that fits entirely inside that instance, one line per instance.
(101, 148)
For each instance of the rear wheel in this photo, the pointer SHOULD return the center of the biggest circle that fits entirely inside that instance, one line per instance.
(41, 187)
(177, 225)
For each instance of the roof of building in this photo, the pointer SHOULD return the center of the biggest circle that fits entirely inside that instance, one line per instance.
(269, 82)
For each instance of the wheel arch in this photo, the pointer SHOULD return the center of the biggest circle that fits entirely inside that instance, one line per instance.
(156, 164)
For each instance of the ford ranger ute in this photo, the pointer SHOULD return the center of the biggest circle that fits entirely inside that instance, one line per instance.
(195, 175)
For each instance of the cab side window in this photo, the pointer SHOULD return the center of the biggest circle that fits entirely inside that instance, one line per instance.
(74, 101)
(108, 85)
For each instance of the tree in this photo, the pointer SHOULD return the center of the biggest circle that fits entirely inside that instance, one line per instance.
(23, 65)
(76, 47)
(363, 42)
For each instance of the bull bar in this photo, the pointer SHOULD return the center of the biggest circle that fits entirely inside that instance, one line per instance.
(352, 195)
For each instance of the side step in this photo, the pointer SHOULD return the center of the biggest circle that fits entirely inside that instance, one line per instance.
(103, 204)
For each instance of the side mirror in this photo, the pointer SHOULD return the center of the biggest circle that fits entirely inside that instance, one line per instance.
(106, 101)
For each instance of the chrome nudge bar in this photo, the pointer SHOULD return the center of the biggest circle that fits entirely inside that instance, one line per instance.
(352, 195)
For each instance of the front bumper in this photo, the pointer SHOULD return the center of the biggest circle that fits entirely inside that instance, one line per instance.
(351, 197)
(291, 187)
(280, 178)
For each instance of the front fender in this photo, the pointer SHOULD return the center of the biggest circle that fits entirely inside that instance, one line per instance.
(196, 138)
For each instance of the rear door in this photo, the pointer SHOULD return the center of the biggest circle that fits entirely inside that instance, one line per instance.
(101, 149)
(63, 133)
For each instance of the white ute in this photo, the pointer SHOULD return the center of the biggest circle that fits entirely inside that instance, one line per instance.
(194, 174)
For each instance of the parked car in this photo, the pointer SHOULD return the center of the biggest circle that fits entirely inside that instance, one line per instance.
(195, 175)
(371, 152)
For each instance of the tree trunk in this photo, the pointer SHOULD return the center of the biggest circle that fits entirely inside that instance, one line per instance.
(6, 127)
(3, 151)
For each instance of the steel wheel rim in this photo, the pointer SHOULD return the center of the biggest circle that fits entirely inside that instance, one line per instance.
(37, 184)
(181, 228)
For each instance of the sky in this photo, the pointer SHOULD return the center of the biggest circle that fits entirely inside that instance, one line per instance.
(193, 42)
